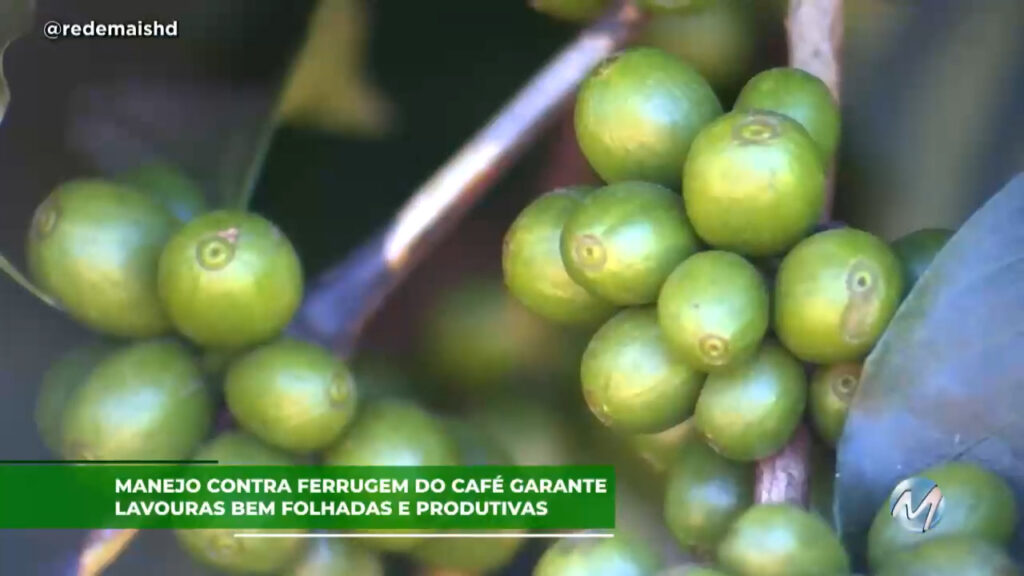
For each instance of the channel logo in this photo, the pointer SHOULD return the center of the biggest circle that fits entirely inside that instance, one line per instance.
(917, 504)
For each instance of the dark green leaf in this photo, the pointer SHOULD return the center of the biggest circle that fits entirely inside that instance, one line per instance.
(15, 19)
(215, 133)
(946, 382)
(11, 270)
(205, 103)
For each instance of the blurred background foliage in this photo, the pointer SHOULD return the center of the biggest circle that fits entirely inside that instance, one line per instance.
(373, 95)
(328, 88)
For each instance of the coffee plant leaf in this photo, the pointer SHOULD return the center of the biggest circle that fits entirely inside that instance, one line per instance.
(946, 381)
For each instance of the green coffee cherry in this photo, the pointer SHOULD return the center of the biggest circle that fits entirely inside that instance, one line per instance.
(754, 183)
(632, 381)
(292, 395)
(750, 411)
(625, 239)
(94, 246)
(638, 113)
(835, 293)
(533, 267)
(230, 279)
(170, 187)
(220, 549)
(782, 540)
(468, 555)
(60, 382)
(659, 450)
(832, 389)
(146, 401)
(952, 556)
(719, 40)
(622, 555)
(916, 252)
(705, 494)
(473, 555)
(394, 433)
(239, 448)
(335, 557)
(532, 432)
(714, 310)
(801, 96)
(977, 503)
(477, 338)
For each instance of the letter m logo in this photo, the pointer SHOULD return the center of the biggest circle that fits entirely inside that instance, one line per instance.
(903, 510)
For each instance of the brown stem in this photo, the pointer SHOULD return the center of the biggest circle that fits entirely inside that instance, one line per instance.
(785, 477)
(345, 297)
(815, 29)
(564, 163)
(101, 549)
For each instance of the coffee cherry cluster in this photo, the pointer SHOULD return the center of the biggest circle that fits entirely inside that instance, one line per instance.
(708, 508)
(140, 258)
(717, 302)
(711, 300)
(191, 305)
(168, 283)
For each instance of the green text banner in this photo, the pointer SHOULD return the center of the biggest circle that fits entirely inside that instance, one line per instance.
(196, 496)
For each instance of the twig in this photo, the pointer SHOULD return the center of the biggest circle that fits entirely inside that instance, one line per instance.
(101, 548)
(23, 281)
(786, 476)
(564, 163)
(815, 29)
(344, 298)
